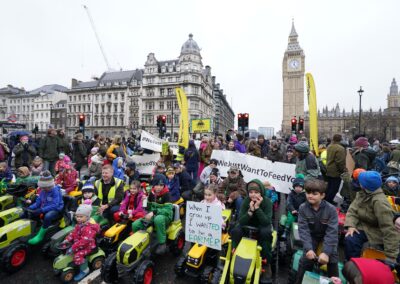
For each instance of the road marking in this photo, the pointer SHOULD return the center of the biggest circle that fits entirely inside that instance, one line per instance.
(91, 277)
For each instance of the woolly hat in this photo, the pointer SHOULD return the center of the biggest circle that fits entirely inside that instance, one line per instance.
(159, 179)
(214, 172)
(88, 187)
(370, 180)
(362, 142)
(373, 271)
(46, 180)
(302, 147)
(392, 178)
(23, 172)
(94, 150)
(293, 140)
(61, 155)
(84, 209)
(298, 181)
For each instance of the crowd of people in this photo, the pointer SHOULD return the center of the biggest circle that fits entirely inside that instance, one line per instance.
(55, 163)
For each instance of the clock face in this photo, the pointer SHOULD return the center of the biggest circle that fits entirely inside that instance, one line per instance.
(294, 64)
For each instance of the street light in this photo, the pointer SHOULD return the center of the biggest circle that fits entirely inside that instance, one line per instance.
(360, 92)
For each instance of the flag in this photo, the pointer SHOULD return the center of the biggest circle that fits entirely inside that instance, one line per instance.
(183, 137)
(312, 108)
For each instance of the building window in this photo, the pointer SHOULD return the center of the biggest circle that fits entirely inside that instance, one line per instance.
(84, 97)
(121, 120)
(116, 96)
(161, 105)
(115, 107)
(122, 108)
(176, 119)
(168, 119)
(176, 106)
(122, 96)
(196, 90)
(115, 121)
(169, 104)
(162, 92)
(109, 108)
(102, 108)
(88, 106)
(169, 91)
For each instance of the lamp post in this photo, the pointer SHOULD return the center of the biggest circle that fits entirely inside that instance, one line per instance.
(360, 92)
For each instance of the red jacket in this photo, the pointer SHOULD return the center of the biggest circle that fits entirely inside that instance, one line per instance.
(67, 180)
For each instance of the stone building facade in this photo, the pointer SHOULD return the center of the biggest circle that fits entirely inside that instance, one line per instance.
(381, 124)
(293, 67)
(123, 102)
(58, 117)
(224, 115)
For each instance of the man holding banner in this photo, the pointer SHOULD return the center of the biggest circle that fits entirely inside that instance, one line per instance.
(233, 189)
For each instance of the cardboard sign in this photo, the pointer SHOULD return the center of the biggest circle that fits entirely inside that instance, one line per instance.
(201, 125)
(146, 163)
(203, 224)
(280, 175)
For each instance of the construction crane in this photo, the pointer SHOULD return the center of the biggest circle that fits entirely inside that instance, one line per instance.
(97, 37)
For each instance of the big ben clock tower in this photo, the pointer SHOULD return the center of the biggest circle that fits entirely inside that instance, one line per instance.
(293, 82)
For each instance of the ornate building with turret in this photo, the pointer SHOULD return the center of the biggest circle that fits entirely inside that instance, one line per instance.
(382, 124)
(123, 102)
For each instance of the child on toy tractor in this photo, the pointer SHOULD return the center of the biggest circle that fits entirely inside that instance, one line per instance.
(24, 177)
(89, 194)
(83, 239)
(296, 197)
(370, 219)
(49, 203)
(67, 178)
(160, 212)
(5, 172)
(256, 211)
(132, 205)
(318, 223)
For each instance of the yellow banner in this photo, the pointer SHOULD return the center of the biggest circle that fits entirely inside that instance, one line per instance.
(312, 108)
(201, 125)
(183, 138)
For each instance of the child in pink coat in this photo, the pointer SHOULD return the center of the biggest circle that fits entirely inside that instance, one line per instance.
(132, 205)
(67, 178)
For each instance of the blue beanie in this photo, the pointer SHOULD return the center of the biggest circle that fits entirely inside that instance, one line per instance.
(392, 178)
(370, 180)
(298, 181)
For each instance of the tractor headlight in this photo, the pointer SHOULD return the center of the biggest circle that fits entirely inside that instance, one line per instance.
(194, 261)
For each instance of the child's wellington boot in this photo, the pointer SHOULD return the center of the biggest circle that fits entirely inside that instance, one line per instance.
(39, 237)
(84, 271)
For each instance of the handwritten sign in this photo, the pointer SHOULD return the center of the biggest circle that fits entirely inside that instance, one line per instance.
(204, 224)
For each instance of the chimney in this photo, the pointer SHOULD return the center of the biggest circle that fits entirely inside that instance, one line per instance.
(74, 83)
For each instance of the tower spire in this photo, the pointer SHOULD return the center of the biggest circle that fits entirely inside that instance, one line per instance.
(293, 32)
(293, 44)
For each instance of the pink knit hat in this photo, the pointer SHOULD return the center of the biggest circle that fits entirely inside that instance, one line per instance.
(362, 142)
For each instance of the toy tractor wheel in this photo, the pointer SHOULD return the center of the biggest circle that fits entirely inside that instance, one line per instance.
(207, 275)
(67, 276)
(109, 272)
(144, 273)
(15, 257)
(178, 244)
(97, 263)
(180, 266)
(216, 277)
(45, 249)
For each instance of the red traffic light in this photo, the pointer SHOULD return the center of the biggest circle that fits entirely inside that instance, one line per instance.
(163, 118)
(81, 117)
(293, 121)
(246, 115)
(239, 115)
(301, 120)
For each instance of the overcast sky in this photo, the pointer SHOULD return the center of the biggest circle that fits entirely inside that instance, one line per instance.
(347, 44)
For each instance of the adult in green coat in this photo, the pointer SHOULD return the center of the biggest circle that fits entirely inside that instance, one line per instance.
(49, 149)
(370, 218)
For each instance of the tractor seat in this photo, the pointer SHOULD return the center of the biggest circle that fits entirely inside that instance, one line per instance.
(176, 213)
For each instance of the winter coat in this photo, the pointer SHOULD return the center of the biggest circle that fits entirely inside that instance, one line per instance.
(274, 156)
(372, 213)
(185, 181)
(6, 175)
(115, 151)
(264, 148)
(78, 153)
(49, 148)
(241, 148)
(319, 226)
(60, 163)
(295, 200)
(95, 167)
(336, 160)
(216, 201)
(391, 191)
(83, 238)
(67, 180)
(364, 158)
(24, 154)
(134, 203)
(232, 188)
(192, 159)
(174, 188)
(308, 166)
(118, 172)
(4, 151)
(262, 216)
(162, 197)
(49, 200)
(64, 146)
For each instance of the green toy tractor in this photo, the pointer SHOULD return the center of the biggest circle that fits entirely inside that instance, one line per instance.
(132, 261)
(200, 260)
(65, 268)
(245, 264)
(290, 243)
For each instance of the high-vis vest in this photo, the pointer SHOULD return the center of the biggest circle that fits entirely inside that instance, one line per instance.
(111, 193)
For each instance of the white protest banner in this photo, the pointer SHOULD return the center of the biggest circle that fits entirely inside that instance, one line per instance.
(280, 175)
(146, 163)
(203, 224)
(151, 142)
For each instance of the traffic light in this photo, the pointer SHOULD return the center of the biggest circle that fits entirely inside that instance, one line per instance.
(163, 120)
(158, 121)
(161, 124)
(294, 124)
(246, 121)
(301, 125)
(240, 121)
(82, 123)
